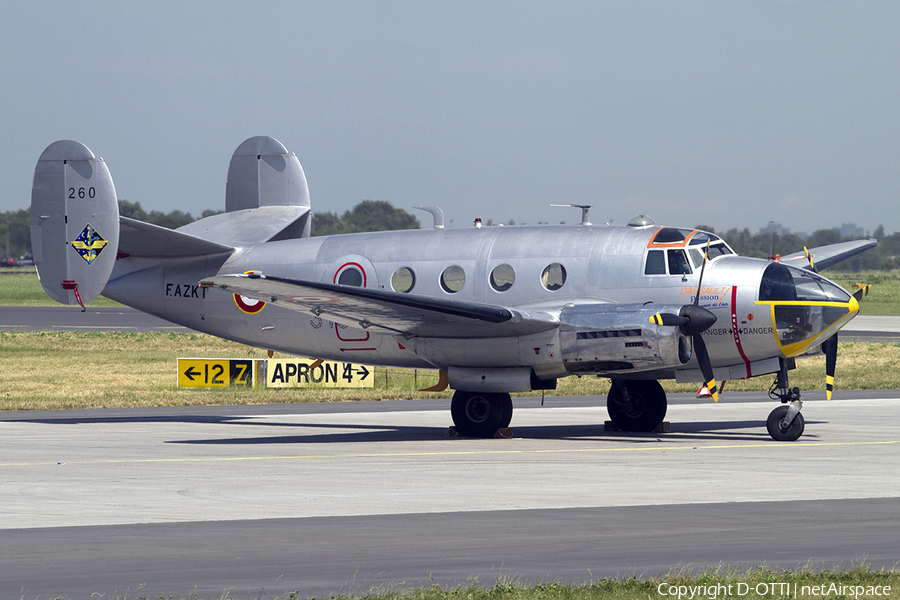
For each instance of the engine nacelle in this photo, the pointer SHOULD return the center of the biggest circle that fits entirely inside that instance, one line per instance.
(610, 338)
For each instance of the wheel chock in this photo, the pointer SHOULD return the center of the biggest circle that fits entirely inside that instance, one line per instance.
(504, 433)
(663, 427)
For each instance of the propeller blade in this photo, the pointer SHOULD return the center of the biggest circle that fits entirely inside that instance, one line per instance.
(862, 291)
(705, 366)
(702, 269)
(829, 347)
(809, 257)
(669, 320)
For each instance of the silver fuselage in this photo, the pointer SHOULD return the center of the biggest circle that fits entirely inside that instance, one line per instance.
(605, 288)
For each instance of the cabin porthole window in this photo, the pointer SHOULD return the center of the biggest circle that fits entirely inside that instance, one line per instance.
(403, 280)
(553, 277)
(453, 279)
(502, 278)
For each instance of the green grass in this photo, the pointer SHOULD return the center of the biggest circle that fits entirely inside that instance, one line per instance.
(20, 286)
(717, 583)
(883, 299)
(76, 369)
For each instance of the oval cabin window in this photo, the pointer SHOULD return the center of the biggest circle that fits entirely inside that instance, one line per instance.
(502, 277)
(403, 280)
(553, 277)
(453, 279)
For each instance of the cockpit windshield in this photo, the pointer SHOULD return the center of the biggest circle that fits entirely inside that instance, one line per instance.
(804, 304)
(697, 247)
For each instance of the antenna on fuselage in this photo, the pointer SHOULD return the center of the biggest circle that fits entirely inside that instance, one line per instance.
(436, 212)
(584, 211)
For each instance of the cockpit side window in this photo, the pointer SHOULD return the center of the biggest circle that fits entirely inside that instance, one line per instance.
(656, 263)
(678, 264)
(696, 257)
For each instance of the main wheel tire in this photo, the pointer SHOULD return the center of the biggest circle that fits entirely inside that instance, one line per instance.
(646, 408)
(793, 431)
(507, 406)
(477, 414)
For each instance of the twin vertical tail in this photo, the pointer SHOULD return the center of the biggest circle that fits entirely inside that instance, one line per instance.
(74, 222)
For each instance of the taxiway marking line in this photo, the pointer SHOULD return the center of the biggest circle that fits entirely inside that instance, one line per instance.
(645, 448)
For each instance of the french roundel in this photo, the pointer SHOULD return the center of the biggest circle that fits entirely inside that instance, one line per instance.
(248, 305)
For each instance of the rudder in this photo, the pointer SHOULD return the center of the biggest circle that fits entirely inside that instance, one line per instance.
(74, 222)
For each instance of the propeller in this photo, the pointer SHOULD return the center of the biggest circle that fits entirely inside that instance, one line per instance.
(809, 257)
(693, 320)
(829, 346)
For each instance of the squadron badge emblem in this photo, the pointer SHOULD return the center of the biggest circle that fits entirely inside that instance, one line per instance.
(89, 244)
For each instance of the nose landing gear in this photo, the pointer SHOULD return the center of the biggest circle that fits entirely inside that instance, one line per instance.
(785, 423)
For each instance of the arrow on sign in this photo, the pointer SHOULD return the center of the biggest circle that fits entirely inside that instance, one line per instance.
(190, 373)
(363, 372)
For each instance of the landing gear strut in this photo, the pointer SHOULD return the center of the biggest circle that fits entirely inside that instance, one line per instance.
(785, 423)
(636, 405)
(478, 414)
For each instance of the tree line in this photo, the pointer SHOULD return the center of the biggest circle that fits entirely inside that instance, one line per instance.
(379, 215)
(368, 215)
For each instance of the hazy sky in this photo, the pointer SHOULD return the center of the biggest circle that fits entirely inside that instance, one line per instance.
(723, 113)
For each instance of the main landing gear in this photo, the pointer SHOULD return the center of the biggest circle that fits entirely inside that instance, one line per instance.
(636, 405)
(479, 414)
(785, 423)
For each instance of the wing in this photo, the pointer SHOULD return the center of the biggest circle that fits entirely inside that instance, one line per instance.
(828, 256)
(386, 312)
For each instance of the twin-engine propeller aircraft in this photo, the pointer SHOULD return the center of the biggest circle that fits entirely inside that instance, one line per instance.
(496, 309)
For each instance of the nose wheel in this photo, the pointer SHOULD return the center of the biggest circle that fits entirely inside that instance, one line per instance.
(785, 423)
(784, 427)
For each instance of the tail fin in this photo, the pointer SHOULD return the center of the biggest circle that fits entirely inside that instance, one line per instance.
(74, 222)
(263, 173)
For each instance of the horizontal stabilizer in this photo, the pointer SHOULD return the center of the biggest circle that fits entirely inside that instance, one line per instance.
(828, 256)
(386, 312)
(247, 227)
(139, 239)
